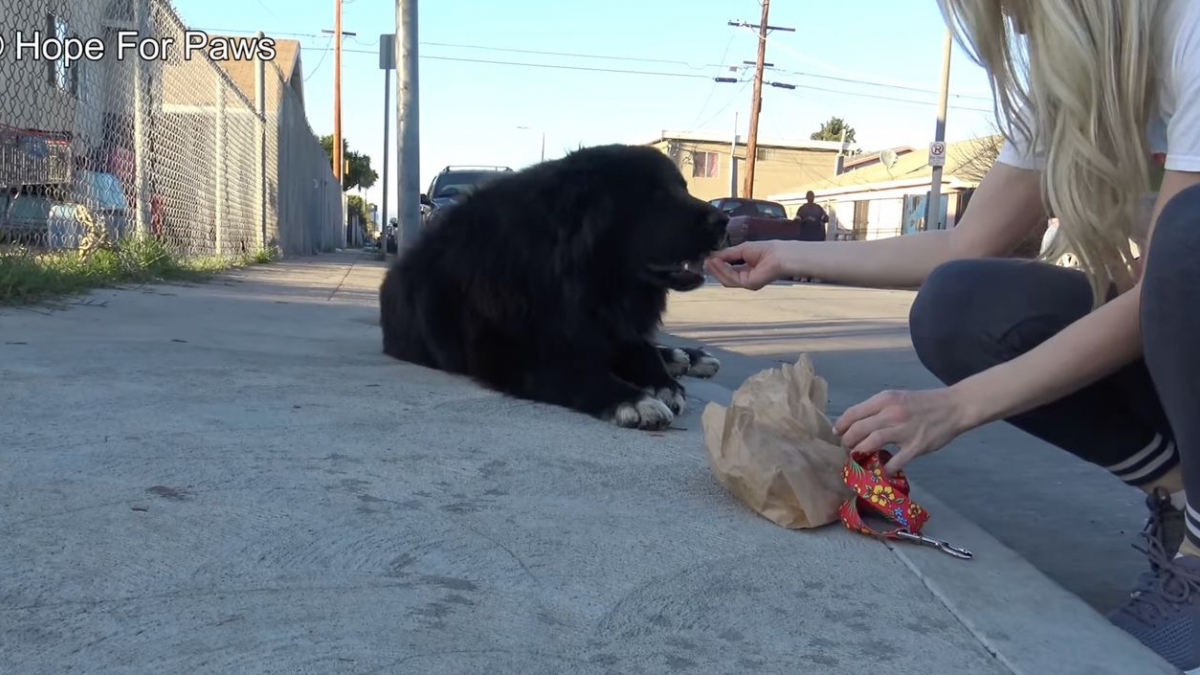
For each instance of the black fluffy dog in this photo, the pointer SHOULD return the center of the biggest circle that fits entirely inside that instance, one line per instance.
(548, 284)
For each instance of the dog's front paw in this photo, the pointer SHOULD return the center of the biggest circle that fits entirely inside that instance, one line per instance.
(676, 360)
(702, 365)
(647, 412)
(673, 396)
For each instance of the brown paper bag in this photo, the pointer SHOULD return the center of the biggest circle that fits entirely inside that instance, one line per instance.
(775, 449)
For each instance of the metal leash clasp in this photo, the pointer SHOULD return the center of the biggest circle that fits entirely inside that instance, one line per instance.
(936, 543)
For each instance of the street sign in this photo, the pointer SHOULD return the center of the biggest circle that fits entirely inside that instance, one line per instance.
(387, 51)
(937, 153)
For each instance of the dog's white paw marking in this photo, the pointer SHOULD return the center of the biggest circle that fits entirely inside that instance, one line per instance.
(704, 367)
(677, 362)
(647, 413)
(675, 400)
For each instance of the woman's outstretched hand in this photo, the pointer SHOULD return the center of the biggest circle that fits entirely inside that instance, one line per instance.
(917, 422)
(762, 263)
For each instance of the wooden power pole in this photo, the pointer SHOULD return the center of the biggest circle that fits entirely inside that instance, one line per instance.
(756, 108)
(337, 92)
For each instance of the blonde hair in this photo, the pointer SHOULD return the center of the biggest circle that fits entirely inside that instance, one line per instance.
(1084, 71)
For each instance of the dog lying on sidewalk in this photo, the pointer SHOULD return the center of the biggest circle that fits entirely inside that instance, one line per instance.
(548, 284)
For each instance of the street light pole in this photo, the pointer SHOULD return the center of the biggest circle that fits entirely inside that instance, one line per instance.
(387, 63)
(524, 128)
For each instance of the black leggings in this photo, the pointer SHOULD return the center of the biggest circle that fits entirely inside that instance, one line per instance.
(1138, 423)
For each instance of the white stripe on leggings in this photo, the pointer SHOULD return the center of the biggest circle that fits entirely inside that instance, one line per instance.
(1139, 457)
(1150, 468)
(1192, 519)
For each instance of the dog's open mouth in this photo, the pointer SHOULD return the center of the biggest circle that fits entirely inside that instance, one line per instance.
(683, 276)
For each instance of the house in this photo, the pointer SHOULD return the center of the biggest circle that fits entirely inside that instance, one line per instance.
(885, 194)
(704, 159)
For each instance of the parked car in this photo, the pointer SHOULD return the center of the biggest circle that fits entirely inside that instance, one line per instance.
(452, 184)
(757, 208)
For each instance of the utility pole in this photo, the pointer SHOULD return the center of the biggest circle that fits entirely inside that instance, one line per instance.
(337, 91)
(733, 159)
(339, 161)
(408, 158)
(756, 107)
(937, 149)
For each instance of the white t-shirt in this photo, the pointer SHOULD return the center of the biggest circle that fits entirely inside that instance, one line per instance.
(1174, 128)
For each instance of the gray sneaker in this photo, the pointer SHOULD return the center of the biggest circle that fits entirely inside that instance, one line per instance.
(1163, 612)
(1166, 523)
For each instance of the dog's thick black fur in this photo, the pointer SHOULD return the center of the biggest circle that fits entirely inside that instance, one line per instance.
(549, 284)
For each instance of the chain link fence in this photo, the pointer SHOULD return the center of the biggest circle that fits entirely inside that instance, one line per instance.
(154, 132)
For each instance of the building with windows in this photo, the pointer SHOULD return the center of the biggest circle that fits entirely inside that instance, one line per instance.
(705, 160)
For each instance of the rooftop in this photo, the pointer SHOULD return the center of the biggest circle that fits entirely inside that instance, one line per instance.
(287, 55)
(966, 162)
(763, 141)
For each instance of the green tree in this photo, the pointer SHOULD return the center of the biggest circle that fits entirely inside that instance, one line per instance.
(360, 173)
(359, 206)
(832, 131)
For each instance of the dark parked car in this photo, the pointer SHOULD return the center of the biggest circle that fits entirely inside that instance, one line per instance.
(755, 208)
(755, 220)
(452, 184)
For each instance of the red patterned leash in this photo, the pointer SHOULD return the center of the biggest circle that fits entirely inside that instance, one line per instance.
(889, 498)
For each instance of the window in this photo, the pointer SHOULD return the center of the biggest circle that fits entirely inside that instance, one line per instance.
(771, 210)
(764, 154)
(704, 164)
(62, 77)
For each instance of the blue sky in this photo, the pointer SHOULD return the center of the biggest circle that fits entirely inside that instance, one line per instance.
(875, 63)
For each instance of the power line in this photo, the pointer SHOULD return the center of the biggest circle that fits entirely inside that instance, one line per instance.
(661, 73)
(736, 96)
(319, 63)
(851, 78)
(835, 78)
(557, 66)
(712, 90)
(877, 97)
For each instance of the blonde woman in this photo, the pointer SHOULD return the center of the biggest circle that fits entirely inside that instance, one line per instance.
(1101, 105)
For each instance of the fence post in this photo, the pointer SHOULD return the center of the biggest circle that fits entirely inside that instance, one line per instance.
(260, 105)
(141, 9)
(219, 161)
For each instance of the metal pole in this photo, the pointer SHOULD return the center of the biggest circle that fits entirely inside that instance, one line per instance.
(408, 158)
(219, 159)
(387, 62)
(140, 131)
(733, 191)
(260, 107)
(933, 207)
(543, 146)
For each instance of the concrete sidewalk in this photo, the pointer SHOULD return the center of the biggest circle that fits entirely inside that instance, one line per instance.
(230, 478)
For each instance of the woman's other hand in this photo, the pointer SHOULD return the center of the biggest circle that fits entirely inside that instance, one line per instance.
(917, 422)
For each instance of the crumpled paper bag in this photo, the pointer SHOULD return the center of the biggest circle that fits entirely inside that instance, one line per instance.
(775, 449)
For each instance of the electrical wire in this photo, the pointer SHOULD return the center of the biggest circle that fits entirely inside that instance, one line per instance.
(712, 90)
(323, 57)
(736, 96)
(877, 97)
(858, 77)
(849, 76)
